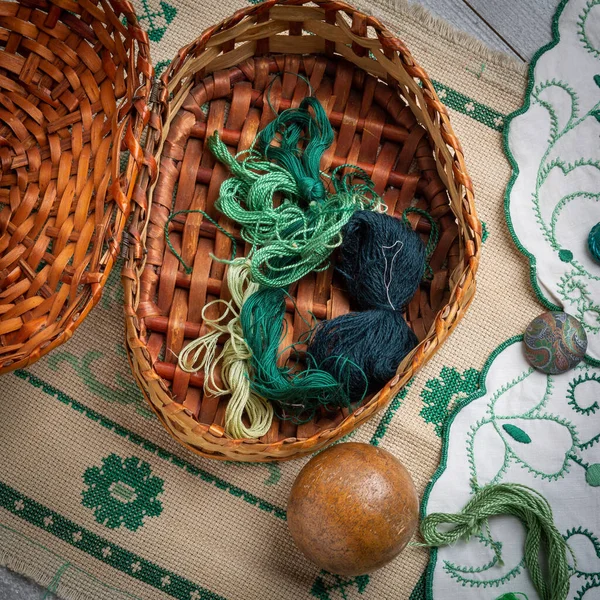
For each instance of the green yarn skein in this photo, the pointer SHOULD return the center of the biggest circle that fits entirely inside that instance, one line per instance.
(296, 235)
(533, 510)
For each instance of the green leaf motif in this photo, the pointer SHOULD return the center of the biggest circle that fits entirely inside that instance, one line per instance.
(592, 475)
(516, 433)
(597, 80)
(565, 255)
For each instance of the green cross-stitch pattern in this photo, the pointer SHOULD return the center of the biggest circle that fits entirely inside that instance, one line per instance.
(156, 21)
(334, 587)
(123, 492)
(441, 395)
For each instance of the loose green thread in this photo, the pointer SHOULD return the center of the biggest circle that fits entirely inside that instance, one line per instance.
(186, 267)
(533, 510)
(434, 236)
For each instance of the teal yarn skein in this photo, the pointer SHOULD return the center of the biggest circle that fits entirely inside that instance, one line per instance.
(383, 261)
(594, 242)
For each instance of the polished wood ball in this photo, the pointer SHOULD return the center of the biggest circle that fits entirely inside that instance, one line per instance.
(352, 509)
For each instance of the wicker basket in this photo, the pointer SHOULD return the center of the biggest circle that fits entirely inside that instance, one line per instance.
(388, 120)
(68, 83)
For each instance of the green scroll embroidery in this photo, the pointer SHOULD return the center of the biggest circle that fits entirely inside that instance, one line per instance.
(123, 492)
(511, 430)
(563, 182)
(582, 23)
(586, 379)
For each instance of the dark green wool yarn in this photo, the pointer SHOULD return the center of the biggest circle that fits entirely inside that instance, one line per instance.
(363, 349)
(383, 261)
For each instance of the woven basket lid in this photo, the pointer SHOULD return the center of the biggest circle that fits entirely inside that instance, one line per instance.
(388, 120)
(74, 79)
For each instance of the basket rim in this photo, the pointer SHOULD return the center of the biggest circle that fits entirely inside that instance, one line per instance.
(210, 441)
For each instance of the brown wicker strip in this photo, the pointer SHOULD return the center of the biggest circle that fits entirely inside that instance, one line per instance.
(69, 80)
(388, 120)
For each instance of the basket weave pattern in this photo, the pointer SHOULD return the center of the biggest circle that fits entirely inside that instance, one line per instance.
(68, 82)
(388, 121)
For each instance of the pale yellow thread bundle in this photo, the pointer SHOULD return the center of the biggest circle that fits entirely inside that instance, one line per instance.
(201, 354)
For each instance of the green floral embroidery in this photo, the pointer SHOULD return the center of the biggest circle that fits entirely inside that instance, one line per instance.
(511, 428)
(157, 20)
(442, 394)
(122, 492)
(512, 596)
(124, 390)
(418, 592)
(161, 65)
(332, 587)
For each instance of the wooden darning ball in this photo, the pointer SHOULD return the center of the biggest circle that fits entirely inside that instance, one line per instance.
(352, 509)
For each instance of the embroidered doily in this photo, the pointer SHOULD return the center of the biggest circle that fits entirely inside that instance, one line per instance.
(553, 143)
(521, 427)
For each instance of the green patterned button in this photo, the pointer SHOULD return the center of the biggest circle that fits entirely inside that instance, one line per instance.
(555, 342)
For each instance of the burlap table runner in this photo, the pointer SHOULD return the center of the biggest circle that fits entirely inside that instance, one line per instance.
(98, 502)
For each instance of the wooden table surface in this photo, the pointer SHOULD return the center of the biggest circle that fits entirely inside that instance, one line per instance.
(516, 27)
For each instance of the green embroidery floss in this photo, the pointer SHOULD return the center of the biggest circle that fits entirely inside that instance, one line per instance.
(298, 235)
(533, 510)
(295, 394)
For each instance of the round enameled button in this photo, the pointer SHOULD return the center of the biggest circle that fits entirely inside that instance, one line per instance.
(555, 342)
